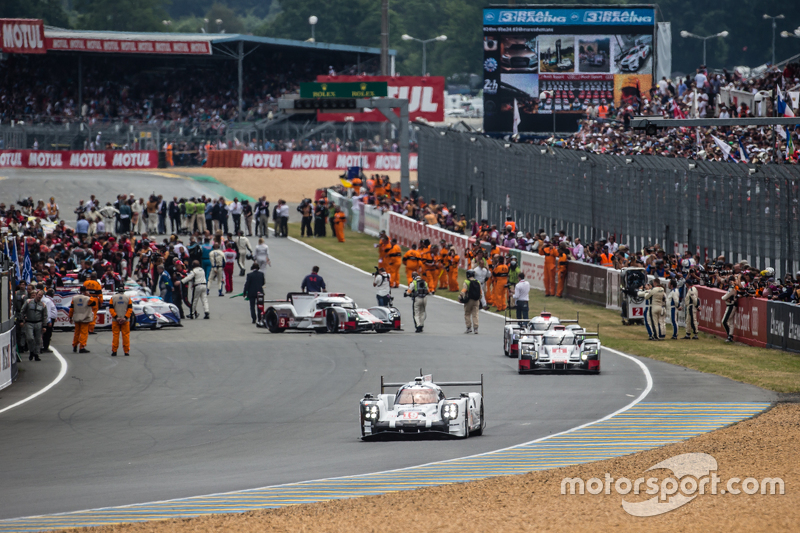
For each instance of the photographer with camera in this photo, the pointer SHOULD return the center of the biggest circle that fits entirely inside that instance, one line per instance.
(418, 291)
(383, 286)
(730, 298)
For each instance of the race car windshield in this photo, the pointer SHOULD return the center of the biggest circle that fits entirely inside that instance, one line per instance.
(346, 305)
(555, 341)
(416, 396)
(539, 326)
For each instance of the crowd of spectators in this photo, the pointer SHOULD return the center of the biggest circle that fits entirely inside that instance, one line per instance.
(716, 272)
(606, 129)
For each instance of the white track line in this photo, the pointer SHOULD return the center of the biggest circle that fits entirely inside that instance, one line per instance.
(52, 384)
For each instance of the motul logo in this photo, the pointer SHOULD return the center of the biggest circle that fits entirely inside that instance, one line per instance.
(310, 161)
(387, 162)
(23, 36)
(347, 161)
(262, 160)
(45, 159)
(131, 159)
(11, 160)
(90, 160)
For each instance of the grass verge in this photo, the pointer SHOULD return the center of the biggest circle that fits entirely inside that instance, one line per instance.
(771, 369)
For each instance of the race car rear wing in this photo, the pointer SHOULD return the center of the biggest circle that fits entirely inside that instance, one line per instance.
(576, 321)
(385, 384)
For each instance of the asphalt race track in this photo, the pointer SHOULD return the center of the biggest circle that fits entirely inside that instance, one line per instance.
(219, 405)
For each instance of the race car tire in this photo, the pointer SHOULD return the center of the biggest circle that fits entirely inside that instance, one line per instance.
(383, 330)
(466, 423)
(332, 321)
(133, 322)
(272, 322)
(321, 330)
(478, 432)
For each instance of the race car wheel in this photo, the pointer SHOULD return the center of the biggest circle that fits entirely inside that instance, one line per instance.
(272, 322)
(321, 330)
(478, 432)
(133, 322)
(383, 330)
(332, 321)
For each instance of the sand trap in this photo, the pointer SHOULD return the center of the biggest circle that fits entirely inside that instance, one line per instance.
(289, 185)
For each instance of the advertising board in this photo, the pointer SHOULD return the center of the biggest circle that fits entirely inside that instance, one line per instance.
(561, 60)
(84, 160)
(749, 320)
(324, 160)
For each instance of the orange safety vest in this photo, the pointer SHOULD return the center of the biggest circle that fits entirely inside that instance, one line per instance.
(511, 224)
(605, 260)
(602, 111)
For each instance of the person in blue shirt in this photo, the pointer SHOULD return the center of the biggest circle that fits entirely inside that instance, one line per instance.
(658, 269)
(164, 284)
(82, 226)
(313, 282)
(205, 250)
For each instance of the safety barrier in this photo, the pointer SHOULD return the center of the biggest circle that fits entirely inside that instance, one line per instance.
(369, 161)
(8, 332)
(83, 160)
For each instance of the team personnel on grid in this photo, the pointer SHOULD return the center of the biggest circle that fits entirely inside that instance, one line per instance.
(471, 295)
(81, 312)
(657, 313)
(411, 261)
(418, 290)
(199, 289)
(692, 302)
(95, 291)
(34, 315)
(121, 309)
(673, 304)
(261, 255)
(394, 258)
(730, 299)
(216, 259)
(244, 248)
(339, 219)
(230, 259)
(521, 296)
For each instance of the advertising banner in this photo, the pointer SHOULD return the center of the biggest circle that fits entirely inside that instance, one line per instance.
(131, 46)
(749, 320)
(369, 161)
(586, 283)
(783, 326)
(65, 159)
(553, 60)
(22, 36)
(425, 95)
(8, 352)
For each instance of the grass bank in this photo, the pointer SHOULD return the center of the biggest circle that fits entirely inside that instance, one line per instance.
(771, 369)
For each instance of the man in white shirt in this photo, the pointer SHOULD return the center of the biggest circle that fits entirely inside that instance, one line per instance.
(283, 213)
(521, 296)
(382, 284)
(577, 250)
(52, 314)
(481, 275)
(235, 209)
(700, 79)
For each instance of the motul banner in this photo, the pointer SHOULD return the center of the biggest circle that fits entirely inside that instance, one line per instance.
(107, 159)
(324, 160)
(586, 283)
(22, 36)
(425, 97)
(749, 320)
(129, 46)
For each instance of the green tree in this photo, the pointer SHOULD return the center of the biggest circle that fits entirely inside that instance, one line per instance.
(48, 10)
(121, 15)
(230, 22)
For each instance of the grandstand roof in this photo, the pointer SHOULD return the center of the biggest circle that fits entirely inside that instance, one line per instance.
(51, 32)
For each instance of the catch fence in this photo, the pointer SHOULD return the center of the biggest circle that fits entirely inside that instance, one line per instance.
(744, 212)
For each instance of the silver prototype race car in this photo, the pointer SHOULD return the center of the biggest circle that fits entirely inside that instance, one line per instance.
(420, 406)
(325, 312)
(562, 348)
(517, 331)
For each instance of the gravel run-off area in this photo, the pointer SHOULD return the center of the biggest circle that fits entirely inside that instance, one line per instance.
(765, 446)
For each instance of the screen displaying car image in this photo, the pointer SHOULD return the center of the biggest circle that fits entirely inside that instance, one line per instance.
(518, 54)
(634, 54)
(594, 54)
(556, 53)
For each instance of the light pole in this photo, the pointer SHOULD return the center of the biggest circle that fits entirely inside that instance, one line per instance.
(407, 37)
(313, 21)
(795, 34)
(774, 25)
(686, 34)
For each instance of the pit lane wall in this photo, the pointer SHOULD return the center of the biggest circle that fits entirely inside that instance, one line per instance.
(83, 160)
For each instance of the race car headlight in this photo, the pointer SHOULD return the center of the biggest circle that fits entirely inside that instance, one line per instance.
(584, 355)
(148, 310)
(371, 412)
(173, 309)
(450, 411)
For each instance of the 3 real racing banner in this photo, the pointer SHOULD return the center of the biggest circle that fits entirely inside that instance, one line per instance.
(84, 160)
(548, 61)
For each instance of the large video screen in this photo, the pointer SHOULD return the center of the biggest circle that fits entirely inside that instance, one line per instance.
(559, 61)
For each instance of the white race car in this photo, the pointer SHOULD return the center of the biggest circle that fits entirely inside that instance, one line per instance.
(516, 331)
(325, 312)
(563, 348)
(420, 406)
(634, 58)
